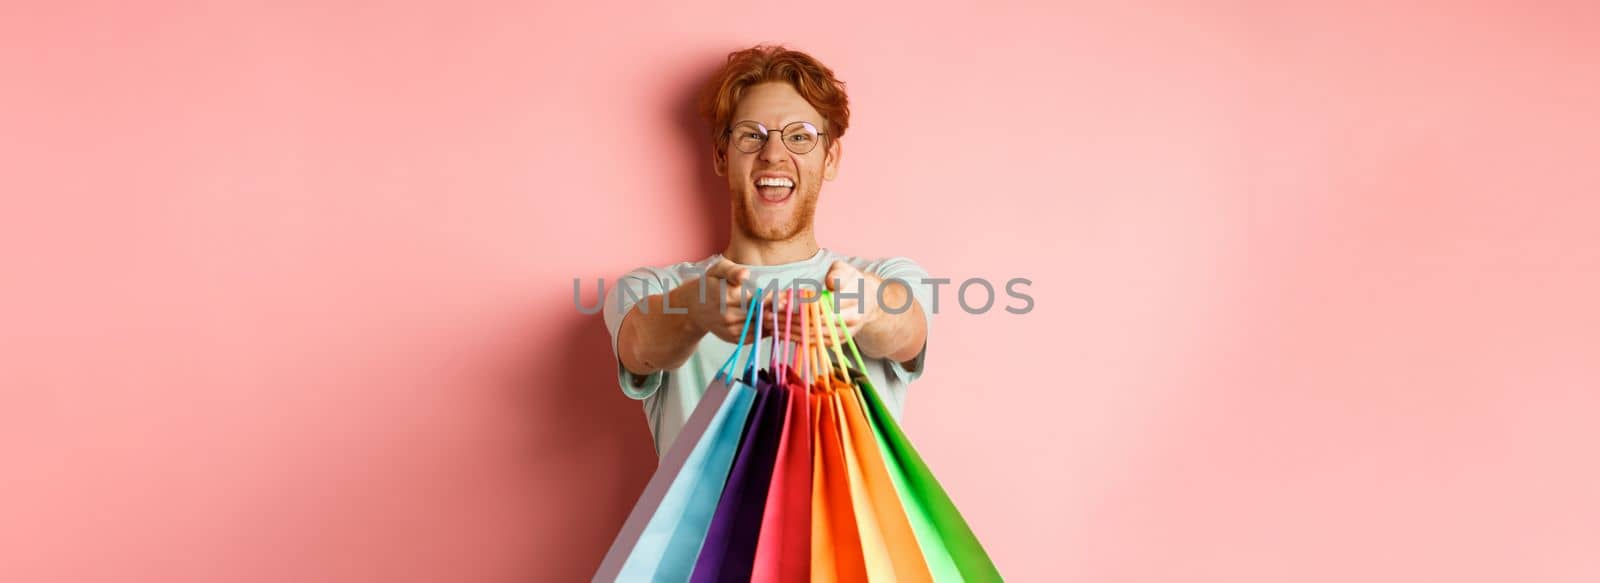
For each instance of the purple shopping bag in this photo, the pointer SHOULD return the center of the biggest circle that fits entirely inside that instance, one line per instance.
(730, 546)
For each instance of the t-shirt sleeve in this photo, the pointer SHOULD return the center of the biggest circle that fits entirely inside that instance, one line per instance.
(916, 277)
(631, 289)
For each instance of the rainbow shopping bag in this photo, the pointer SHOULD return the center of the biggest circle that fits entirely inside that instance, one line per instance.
(795, 472)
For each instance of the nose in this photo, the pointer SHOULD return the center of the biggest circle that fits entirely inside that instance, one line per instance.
(773, 149)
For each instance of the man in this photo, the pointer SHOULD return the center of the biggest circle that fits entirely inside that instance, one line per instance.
(777, 116)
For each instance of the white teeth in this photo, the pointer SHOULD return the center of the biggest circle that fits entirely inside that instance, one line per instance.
(785, 182)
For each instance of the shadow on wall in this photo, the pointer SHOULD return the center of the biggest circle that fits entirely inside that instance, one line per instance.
(595, 453)
(706, 189)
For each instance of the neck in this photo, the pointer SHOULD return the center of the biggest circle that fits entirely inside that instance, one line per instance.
(744, 250)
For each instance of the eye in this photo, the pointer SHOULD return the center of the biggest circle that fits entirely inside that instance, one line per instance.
(800, 138)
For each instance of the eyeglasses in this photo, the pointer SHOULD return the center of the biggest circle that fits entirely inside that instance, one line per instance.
(750, 137)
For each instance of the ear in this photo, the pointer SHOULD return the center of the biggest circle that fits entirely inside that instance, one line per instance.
(719, 160)
(830, 163)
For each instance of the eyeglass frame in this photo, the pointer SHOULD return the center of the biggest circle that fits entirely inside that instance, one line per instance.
(766, 132)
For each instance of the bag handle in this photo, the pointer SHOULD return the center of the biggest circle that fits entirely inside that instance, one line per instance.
(737, 348)
(755, 345)
(831, 315)
(805, 340)
(827, 301)
(785, 357)
(788, 328)
(821, 348)
(773, 361)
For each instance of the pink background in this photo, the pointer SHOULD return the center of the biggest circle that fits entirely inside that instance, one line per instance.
(288, 289)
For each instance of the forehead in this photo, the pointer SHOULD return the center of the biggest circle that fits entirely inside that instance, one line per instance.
(774, 104)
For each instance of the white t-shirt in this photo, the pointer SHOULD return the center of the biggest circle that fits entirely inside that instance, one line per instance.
(670, 396)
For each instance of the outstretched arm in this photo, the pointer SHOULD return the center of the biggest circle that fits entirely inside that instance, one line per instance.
(652, 339)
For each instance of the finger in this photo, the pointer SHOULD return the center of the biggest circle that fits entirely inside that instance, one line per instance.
(782, 303)
(835, 276)
(847, 306)
(855, 327)
(801, 336)
(749, 332)
(737, 297)
(718, 270)
(792, 335)
(728, 271)
(714, 289)
(842, 275)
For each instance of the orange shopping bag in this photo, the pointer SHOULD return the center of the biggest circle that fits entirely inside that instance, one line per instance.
(889, 545)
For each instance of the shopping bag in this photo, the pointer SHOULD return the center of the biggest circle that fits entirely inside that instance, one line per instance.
(888, 544)
(783, 549)
(896, 555)
(949, 547)
(662, 535)
(730, 545)
(730, 548)
(835, 538)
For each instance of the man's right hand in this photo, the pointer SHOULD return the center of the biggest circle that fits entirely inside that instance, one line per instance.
(653, 338)
(720, 307)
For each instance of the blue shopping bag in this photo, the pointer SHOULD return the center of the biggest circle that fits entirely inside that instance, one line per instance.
(662, 536)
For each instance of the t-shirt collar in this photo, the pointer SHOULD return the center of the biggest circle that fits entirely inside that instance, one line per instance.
(814, 260)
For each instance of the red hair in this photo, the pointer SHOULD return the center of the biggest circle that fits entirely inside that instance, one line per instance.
(766, 63)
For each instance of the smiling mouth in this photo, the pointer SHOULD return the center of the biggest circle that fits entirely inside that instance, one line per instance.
(774, 190)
